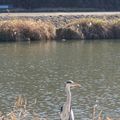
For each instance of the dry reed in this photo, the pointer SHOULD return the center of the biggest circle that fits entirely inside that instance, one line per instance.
(24, 111)
(98, 115)
(22, 30)
(87, 28)
(21, 111)
(90, 28)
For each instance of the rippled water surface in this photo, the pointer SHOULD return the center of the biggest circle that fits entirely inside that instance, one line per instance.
(40, 70)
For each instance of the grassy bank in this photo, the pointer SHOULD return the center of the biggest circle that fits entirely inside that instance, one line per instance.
(80, 29)
(85, 29)
(22, 30)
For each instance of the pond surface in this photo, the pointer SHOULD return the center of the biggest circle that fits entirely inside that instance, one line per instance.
(39, 71)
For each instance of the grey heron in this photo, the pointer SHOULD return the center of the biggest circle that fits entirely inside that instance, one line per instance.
(66, 111)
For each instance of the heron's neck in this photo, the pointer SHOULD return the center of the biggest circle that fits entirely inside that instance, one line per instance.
(68, 100)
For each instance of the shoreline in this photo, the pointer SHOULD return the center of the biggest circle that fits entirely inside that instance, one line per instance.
(96, 25)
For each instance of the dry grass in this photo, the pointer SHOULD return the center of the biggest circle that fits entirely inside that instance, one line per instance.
(23, 111)
(115, 28)
(20, 30)
(90, 28)
(68, 34)
(99, 116)
(87, 28)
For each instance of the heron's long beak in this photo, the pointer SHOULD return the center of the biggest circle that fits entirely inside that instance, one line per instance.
(75, 85)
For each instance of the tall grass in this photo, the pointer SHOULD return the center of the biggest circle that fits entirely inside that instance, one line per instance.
(90, 28)
(24, 111)
(21, 111)
(18, 30)
(81, 29)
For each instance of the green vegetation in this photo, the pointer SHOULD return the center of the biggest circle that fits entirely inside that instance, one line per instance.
(22, 30)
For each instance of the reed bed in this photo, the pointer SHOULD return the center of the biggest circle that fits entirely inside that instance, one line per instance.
(23, 30)
(24, 111)
(90, 28)
(21, 111)
(77, 29)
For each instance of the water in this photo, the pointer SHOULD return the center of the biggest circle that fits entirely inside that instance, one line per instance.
(39, 71)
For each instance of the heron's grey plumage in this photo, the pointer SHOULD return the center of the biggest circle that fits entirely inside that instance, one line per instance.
(66, 110)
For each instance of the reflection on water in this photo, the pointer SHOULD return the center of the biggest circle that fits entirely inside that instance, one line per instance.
(39, 71)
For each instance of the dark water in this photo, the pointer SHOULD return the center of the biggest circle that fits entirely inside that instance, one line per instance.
(40, 70)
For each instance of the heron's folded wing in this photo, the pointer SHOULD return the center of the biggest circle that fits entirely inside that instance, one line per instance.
(71, 115)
